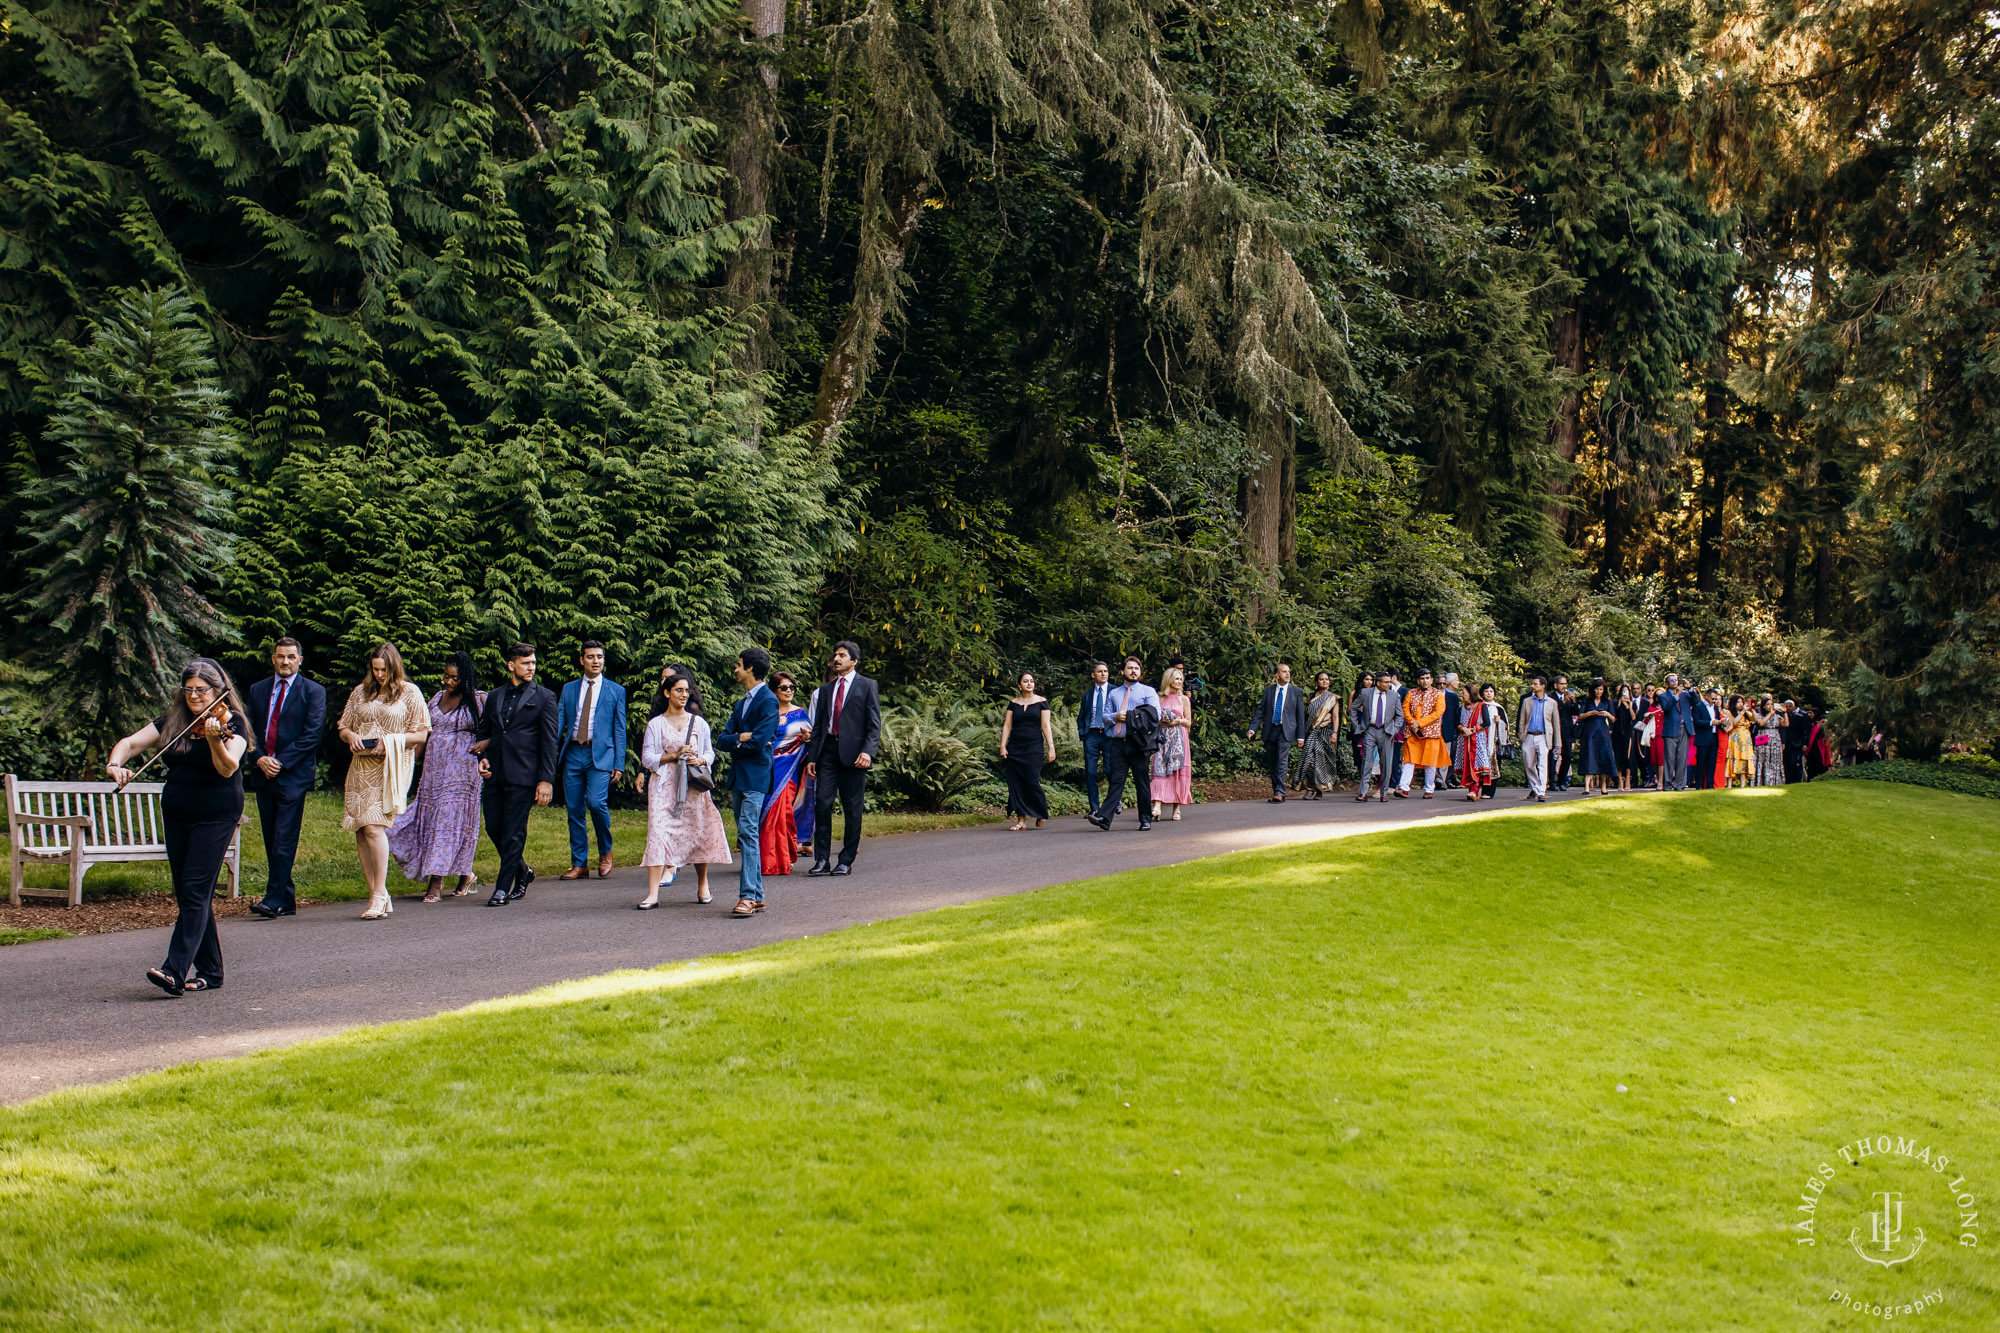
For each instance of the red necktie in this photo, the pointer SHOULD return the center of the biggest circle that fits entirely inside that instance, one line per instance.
(839, 698)
(277, 707)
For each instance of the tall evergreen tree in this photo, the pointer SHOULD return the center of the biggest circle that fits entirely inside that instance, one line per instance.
(130, 526)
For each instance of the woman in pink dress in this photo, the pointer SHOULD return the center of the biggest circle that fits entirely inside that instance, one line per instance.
(1173, 762)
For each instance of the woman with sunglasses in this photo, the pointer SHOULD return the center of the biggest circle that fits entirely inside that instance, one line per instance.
(201, 805)
(787, 820)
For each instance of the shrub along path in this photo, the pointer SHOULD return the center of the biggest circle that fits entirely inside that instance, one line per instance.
(80, 1011)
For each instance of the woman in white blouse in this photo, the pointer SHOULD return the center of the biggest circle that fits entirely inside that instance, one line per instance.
(683, 826)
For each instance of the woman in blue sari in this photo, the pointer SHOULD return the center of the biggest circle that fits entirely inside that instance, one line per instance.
(788, 816)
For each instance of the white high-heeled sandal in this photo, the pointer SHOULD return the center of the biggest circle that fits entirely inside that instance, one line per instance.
(375, 913)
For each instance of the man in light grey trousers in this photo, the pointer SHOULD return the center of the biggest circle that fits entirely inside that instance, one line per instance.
(1378, 711)
(1539, 725)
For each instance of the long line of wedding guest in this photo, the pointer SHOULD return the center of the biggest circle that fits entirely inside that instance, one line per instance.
(491, 756)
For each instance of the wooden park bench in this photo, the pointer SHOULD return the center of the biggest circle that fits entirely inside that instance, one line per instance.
(82, 824)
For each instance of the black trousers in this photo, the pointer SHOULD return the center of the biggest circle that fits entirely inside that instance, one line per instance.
(279, 813)
(506, 812)
(1704, 762)
(850, 785)
(1024, 786)
(1562, 765)
(1120, 762)
(1795, 764)
(1277, 759)
(195, 848)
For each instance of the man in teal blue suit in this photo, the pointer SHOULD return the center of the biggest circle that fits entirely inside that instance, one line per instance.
(748, 738)
(593, 757)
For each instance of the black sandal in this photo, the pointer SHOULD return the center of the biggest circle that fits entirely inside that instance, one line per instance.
(166, 981)
(202, 983)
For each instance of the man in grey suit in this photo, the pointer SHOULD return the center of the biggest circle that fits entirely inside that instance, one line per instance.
(1676, 724)
(1378, 710)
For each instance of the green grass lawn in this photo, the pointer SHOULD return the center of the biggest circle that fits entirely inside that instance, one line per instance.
(1371, 1083)
(326, 867)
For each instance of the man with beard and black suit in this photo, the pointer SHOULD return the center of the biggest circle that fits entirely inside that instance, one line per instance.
(519, 739)
(288, 712)
(840, 754)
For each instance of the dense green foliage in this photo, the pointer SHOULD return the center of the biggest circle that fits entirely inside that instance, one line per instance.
(131, 524)
(1559, 335)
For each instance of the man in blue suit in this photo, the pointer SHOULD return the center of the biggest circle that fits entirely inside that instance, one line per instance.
(592, 723)
(748, 738)
(288, 712)
(1703, 714)
(1676, 721)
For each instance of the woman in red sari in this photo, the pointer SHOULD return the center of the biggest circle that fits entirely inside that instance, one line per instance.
(780, 828)
(1656, 719)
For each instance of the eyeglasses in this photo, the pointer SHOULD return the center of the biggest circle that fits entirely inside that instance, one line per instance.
(784, 689)
(197, 689)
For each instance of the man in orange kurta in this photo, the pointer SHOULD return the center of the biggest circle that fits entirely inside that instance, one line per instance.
(1424, 745)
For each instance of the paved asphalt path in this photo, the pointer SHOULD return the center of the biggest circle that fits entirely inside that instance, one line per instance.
(80, 1010)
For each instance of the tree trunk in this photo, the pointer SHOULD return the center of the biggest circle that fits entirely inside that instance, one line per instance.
(1823, 582)
(1267, 501)
(1788, 603)
(1565, 432)
(1714, 494)
(852, 353)
(1612, 564)
(751, 159)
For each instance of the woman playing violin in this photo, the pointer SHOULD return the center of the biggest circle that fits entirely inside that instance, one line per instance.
(201, 805)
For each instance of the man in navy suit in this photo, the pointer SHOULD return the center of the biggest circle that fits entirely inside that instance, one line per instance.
(1676, 721)
(592, 725)
(1281, 720)
(1093, 724)
(748, 738)
(839, 755)
(1702, 715)
(289, 712)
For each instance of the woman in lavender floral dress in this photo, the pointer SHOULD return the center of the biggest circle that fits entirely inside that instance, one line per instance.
(439, 833)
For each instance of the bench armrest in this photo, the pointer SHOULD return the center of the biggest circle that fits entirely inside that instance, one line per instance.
(67, 821)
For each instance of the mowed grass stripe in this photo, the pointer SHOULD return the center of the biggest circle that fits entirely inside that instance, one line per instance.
(1384, 1069)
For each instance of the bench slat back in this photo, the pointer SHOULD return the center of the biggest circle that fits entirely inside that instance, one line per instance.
(118, 820)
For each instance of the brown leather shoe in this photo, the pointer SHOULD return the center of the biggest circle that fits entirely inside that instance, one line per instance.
(574, 872)
(604, 866)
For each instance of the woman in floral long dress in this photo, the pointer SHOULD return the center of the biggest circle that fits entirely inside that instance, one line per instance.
(439, 834)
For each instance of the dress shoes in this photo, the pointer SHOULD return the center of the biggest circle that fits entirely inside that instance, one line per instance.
(520, 889)
(574, 872)
(604, 866)
(841, 868)
(272, 911)
(1276, 800)
(1095, 822)
(820, 868)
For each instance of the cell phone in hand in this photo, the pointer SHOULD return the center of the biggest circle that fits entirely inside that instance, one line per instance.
(369, 744)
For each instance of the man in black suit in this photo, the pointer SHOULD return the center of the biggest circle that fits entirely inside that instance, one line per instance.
(1281, 720)
(288, 712)
(518, 741)
(840, 754)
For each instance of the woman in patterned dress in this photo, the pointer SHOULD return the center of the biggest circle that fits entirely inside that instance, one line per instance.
(385, 709)
(683, 826)
(1742, 771)
(1483, 731)
(438, 835)
(1768, 737)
